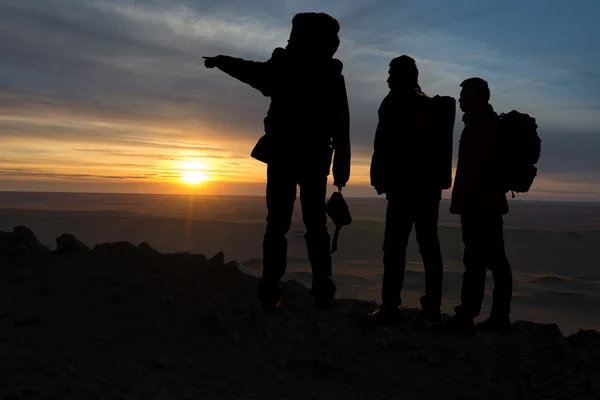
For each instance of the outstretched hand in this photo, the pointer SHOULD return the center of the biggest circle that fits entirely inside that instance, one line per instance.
(209, 62)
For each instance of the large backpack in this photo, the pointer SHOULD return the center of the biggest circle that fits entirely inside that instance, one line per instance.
(318, 31)
(521, 147)
(444, 112)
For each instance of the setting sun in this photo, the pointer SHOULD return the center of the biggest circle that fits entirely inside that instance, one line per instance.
(193, 177)
(192, 173)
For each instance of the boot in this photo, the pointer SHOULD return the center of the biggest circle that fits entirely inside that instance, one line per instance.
(269, 296)
(431, 310)
(324, 292)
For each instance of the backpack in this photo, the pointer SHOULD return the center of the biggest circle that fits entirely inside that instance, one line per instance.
(337, 209)
(522, 146)
(318, 31)
(444, 110)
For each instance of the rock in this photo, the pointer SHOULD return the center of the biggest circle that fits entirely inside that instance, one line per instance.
(217, 318)
(190, 364)
(292, 324)
(230, 270)
(233, 334)
(117, 251)
(296, 295)
(30, 393)
(585, 338)
(594, 385)
(21, 242)
(282, 363)
(69, 244)
(347, 310)
(218, 259)
(384, 345)
(383, 330)
(158, 363)
(25, 234)
(146, 247)
(28, 322)
(324, 362)
(323, 325)
(267, 334)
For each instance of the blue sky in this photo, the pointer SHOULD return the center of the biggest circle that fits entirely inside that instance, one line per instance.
(110, 95)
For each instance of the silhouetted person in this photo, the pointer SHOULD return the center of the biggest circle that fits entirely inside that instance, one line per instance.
(308, 119)
(479, 198)
(406, 169)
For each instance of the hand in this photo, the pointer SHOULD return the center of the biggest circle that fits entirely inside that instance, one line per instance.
(209, 62)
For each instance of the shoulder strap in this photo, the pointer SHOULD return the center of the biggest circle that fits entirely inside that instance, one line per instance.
(336, 235)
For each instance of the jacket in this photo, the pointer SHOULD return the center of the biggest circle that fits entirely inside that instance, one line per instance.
(404, 148)
(308, 118)
(477, 185)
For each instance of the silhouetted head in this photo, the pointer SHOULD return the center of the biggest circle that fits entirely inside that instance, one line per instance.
(403, 73)
(474, 96)
(314, 36)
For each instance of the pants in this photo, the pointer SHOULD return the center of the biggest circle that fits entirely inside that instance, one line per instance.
(402, 214)
(483, 238)
(281, 195)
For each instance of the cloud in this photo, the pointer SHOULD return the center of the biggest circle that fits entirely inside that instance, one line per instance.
(125, 79)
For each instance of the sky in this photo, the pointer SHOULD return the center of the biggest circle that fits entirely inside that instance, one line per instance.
(113, 96)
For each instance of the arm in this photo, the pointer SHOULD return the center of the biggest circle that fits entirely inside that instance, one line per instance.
(341, 137)
(377, 167)
(256, 74)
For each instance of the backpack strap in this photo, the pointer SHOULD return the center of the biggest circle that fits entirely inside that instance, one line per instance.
(336, 235)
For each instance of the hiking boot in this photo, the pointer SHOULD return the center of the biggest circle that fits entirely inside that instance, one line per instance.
(269, 297)
(385, 316)
(431, 314)
(458, 325)
(324, 291)
(498, 324)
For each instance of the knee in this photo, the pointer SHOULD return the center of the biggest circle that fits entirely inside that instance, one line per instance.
(278, 227)
(316, 226)
(392, 252)
(501, 266)
(316, 232)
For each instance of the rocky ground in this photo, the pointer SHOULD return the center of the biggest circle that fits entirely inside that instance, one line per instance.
(120, 321)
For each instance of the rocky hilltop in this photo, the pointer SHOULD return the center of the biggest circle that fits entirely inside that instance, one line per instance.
(120, 321)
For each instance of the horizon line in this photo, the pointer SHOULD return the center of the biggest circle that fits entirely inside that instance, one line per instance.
(256, 195)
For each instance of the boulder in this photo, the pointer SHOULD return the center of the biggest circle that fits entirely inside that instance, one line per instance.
(21, 244)
(146, 248)
(218, 259)
(117, 251)
(69, 244)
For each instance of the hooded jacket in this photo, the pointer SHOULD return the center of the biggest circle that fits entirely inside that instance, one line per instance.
(308, 118)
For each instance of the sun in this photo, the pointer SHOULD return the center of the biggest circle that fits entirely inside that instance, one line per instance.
(193, 177)
(192, 173)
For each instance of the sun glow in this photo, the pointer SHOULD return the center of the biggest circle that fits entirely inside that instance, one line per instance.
(192, 173)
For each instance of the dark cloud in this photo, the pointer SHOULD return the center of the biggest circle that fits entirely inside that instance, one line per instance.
(84, 59)
(28, 173)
